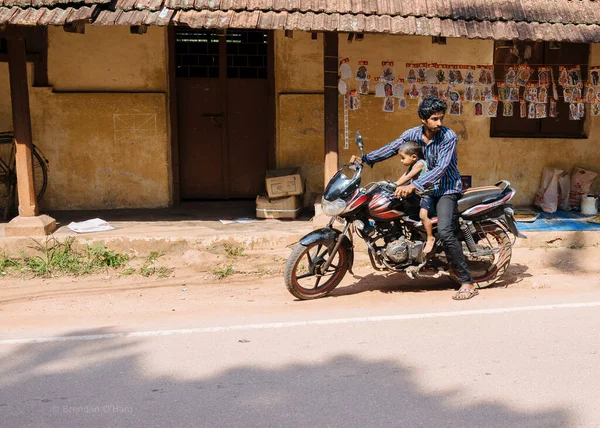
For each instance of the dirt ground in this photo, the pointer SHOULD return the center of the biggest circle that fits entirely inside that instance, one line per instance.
(193, 294)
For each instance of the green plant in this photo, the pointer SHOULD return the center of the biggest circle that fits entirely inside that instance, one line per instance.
(128, 271)
(222, 272)
(233, 250)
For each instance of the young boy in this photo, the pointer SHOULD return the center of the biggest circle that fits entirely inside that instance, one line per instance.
(411, 155)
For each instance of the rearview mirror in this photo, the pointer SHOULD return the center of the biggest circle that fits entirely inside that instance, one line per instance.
(358, 141)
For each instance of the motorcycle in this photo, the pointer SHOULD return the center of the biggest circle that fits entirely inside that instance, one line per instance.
(395, 236)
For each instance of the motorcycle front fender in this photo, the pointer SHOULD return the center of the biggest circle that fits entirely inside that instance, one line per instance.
(329, 236)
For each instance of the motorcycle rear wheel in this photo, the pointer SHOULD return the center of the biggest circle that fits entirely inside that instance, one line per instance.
(303, 276)
(490, 271)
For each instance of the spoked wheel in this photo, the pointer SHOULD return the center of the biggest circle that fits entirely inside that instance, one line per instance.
(487, 270)
(304, 274)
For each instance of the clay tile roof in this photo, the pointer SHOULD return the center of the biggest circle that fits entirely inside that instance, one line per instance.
(566, 20)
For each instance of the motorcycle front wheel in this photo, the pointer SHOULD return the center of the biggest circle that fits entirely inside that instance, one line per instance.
(304, 275)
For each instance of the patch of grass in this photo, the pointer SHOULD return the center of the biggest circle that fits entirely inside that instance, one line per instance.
(151, 267)
(223, 272)
(576, 246)
(233, 250)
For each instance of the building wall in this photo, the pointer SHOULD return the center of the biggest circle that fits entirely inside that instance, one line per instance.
(487, 160)
(103, 122)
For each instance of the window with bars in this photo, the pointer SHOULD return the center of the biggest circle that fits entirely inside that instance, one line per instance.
(197, 54)
(247, 54)
(536, 54)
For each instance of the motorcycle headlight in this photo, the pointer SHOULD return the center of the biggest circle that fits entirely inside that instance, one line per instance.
(333, 207)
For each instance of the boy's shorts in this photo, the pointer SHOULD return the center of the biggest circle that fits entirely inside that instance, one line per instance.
(426, 202)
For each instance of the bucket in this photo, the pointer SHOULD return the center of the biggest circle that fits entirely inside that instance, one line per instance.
(589, 204)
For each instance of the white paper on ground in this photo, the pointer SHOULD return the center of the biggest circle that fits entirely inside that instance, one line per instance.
(238, 220)
(93, 225)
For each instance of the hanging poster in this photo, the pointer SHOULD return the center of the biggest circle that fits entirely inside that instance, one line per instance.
(514, 94)
(589, 93)
(567, 93)
(411, 75)
(492, 108)
(553, 112)
(470, 75)
(523, 108)
(414, 91)
(531, 111)
(542, 94)
(477, 94)
(544, 75)
(453, 95)
(401, 102)
(488, 93)
(478, 109)
(431, 73)
(440, 74)
(425, 91)
(523, 74)
(540, 111)
(595, 76)
(354, 101)
(379, 88)
(362, 71)
(573, 111)
(422, 72)
(554, 88)
(388, 104)
(595, 108)
(563, 76)
(486, 75)
(345, 70)
(342, 87)
(577, 91)
(581, 109)
(469, 93)
(452, 76)
(574, 75)
(435, 91)
(388, 89)
(503, 92)
(445, 92)
(510, 75)
(399, 89)
(455, 108)
(598, 95)
(507, 109)
(364, 86)
(387, 71)
(531, 92)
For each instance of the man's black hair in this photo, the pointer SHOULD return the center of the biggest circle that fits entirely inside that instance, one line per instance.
(412, 148)
(430, 106)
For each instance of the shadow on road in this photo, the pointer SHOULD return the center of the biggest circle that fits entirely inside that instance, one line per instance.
(400, 283)
(117, 383)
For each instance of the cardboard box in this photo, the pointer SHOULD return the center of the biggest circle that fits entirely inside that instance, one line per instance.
(284, 182)
(284, 208)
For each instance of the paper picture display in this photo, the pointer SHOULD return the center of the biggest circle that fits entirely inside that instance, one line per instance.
(362, 72)
(345, 69)
(387, 71)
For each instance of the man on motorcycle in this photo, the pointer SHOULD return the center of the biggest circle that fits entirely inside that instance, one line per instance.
(442, 180)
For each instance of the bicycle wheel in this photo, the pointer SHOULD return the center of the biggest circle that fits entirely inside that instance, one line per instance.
(40, 173)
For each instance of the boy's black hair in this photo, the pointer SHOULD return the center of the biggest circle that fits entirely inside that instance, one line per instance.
(431, 105)
(412, 148)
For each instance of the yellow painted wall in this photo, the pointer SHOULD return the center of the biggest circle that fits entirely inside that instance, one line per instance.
(103, 124)
(300, 125)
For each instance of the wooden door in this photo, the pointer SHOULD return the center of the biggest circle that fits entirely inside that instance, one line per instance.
(224, 121)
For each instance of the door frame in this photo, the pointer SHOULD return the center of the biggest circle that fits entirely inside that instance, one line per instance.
(173, 134)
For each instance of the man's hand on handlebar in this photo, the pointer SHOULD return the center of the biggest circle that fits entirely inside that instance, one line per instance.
(355, 160)
(404, 191)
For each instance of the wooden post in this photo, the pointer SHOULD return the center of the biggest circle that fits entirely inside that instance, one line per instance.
(330, 73)
(19, 94)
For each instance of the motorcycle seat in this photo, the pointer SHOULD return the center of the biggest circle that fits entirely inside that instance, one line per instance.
(477, 195)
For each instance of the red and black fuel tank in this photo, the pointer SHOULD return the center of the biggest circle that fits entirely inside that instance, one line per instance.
(384, 206)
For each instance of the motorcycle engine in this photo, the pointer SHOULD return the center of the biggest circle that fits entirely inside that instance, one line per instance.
(402, 250)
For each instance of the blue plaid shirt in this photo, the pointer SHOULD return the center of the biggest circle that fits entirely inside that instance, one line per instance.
(443, 177)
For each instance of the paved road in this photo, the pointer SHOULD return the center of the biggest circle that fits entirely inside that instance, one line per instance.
(437, 364)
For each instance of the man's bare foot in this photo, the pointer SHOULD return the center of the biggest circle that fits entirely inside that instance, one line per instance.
(465, 292)
(429, 245)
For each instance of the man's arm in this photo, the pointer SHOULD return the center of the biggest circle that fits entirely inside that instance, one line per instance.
(447, 150)
(386, 151)
(409, 175)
